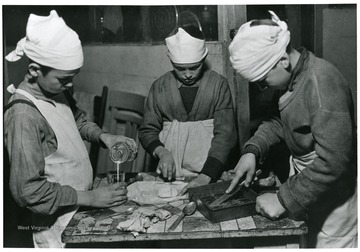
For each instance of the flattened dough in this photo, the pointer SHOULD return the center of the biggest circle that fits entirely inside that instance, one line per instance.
(147, 192)
(166, 191)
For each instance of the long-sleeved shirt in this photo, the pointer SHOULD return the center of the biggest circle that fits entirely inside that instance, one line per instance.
(29, 139)
(318, 116)
(213, 101)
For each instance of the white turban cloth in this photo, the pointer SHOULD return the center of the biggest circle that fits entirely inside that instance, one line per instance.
(49, 42)
(256, 50)
(185, 49)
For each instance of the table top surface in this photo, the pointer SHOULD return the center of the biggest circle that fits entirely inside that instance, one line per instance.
(91, 225)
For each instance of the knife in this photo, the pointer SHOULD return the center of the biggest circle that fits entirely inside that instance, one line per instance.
(226, 196)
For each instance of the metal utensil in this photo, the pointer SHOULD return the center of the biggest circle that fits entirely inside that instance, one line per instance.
(189, 209)
(128, 211)
(226, 196)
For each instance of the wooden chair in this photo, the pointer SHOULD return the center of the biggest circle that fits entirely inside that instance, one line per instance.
(99, 116)
(126, 114)
(95, 107)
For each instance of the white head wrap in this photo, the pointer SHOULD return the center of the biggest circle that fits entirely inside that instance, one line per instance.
(256, 50)
(49, 42)
(185, 49)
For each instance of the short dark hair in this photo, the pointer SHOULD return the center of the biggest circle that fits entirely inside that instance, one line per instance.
(257, 22)
(44, 69)
(270, 23)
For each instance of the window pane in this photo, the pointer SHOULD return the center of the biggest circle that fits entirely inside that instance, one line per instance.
(116, 24)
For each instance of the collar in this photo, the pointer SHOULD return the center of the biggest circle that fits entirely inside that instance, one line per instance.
(180, 84)
(28, 87)
(304, 55)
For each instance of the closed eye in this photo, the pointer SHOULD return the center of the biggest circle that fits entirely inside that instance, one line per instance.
(303, 129)
(194, 67)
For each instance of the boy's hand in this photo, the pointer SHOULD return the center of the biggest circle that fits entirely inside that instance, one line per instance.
(108, 196)
(246, 165)
(109, 140)
(269, 206)
(166, 163)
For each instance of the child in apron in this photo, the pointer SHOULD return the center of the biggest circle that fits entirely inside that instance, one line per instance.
(50, 170)
(189, 122)
(317, 123)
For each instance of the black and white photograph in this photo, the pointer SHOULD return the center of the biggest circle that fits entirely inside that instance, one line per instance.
(179, 125)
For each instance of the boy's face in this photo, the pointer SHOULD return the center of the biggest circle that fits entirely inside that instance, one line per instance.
(188, 74)
(277, 78)
(56, 81)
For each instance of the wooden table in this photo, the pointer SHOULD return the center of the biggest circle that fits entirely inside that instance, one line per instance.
(252, 231)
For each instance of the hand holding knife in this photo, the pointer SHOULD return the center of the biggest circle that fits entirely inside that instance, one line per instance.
(226, 196)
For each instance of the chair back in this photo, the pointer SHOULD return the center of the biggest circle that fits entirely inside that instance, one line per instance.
(126, 115)
(95, 107)
(99, 116)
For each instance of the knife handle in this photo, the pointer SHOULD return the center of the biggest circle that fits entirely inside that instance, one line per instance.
(176, 223)
(257, 173)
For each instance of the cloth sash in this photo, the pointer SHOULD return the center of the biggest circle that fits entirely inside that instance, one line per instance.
(189, 143)
(330, 225)
(68, 165)
(297, 164)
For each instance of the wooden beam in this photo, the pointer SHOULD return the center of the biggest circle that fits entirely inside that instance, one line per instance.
(232, 17)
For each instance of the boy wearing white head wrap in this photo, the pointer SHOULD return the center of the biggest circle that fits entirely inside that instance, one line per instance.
(184, 48)
(50, 170)
(189, 118)
(50, 42)
(317, 123)
(256, 49)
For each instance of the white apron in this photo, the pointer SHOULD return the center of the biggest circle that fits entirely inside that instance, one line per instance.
(329, 228)
(189, 143)
(69, 165)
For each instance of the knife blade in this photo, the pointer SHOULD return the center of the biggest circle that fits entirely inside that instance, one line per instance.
(226, 196)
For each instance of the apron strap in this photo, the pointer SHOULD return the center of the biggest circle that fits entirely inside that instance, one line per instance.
(20, 101)
(71, 102)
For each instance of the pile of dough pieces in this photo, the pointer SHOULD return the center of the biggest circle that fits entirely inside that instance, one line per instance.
(141, 219)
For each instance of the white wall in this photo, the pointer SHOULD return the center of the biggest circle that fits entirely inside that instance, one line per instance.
(131, 68)
(339, 43)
